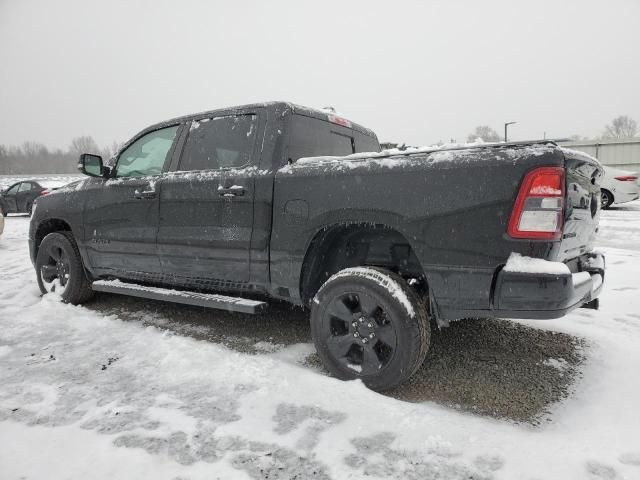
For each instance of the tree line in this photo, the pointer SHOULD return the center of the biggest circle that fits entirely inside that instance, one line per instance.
(35, 158)
(622, 126)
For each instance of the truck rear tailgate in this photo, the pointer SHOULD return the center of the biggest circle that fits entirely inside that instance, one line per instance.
(582, 211)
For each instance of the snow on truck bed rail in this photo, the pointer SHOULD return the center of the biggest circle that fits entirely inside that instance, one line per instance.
(435, 153)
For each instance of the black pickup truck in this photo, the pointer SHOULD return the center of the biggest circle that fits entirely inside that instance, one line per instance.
(229, 208)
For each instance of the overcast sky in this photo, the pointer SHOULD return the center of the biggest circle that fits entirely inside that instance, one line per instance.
(416, 72)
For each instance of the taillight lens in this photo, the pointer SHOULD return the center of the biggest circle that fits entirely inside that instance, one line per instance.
(46, 191)
(539, 208)
(626, 178)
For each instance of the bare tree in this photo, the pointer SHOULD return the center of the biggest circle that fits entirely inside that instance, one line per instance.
(621, 127)
(33, 149)
(110, 150)
(485, 133)
(84, 144)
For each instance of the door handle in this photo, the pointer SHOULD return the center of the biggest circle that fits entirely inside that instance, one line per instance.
(233, 191)
(144, 194)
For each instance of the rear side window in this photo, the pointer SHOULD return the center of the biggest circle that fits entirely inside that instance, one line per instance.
(365, 143)
(222, 142)
(25, 187)
(312, 137)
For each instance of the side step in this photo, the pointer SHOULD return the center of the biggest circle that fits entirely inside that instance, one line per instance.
(210, 300)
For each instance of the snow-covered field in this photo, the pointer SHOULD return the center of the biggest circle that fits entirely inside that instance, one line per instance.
(8, 180)
(86, 394)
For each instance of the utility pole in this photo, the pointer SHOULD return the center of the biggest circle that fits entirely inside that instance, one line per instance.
(506, 125)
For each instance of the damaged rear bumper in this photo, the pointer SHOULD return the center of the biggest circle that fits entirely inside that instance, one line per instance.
(546, 296)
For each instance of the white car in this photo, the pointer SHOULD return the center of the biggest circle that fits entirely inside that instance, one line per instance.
(619, 186)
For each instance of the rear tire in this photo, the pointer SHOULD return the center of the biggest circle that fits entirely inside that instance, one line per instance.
(368, 323)
(59, 269)
(606, 199)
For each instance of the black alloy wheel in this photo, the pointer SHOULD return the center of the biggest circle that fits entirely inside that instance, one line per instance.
(367, 323)
(59, 269)
(360, 334)
(55, 269)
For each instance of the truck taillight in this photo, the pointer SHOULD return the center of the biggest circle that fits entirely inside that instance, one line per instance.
(626, 178)
(539, 208)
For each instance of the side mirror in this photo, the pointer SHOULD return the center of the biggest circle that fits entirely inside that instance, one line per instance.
(91, 165)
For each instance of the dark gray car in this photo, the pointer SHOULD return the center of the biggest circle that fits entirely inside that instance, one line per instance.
(19, 197)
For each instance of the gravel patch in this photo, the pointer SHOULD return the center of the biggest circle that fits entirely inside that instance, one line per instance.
(496, 368)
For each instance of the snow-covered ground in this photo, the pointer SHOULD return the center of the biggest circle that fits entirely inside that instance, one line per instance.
(84, 394)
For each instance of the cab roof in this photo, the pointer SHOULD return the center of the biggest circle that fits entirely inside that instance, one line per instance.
(276, 105)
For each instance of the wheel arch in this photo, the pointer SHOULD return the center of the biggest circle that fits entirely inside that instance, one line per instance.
(338, 246)
(46, 227)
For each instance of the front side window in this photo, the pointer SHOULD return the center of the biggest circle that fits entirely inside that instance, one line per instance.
(147, 155)
(222, 142)
(13, 190)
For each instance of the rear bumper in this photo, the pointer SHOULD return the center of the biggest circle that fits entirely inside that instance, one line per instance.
(536, 295)
(545, 296)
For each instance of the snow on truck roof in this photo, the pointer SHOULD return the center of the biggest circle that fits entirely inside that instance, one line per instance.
(323, 114)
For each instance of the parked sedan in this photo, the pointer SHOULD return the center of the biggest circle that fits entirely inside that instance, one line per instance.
(19, 197)
(619, 186)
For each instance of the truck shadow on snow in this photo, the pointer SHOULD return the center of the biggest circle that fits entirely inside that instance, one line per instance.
(490, 367)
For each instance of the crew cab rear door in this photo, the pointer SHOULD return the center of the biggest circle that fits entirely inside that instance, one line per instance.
(207, 203)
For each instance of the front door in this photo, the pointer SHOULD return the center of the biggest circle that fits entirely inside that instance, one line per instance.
(206, 206)
(24, 197)
(10, 198)
(121, 213)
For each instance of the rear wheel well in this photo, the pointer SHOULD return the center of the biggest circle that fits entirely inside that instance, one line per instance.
(343, 246)
(47, 227)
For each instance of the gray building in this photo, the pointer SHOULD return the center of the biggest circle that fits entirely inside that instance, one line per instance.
(617, 153)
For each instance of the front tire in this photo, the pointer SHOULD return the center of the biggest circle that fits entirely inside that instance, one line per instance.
(59, 269)
(606, 199)
(368, 323)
